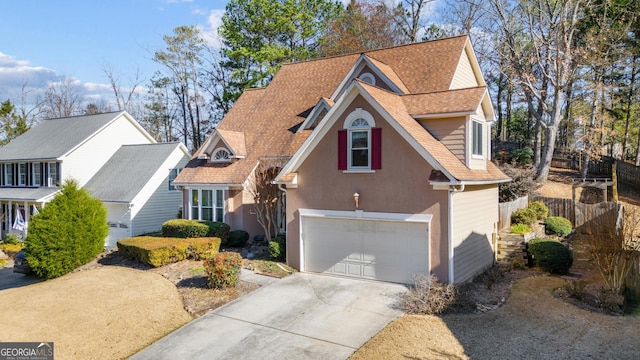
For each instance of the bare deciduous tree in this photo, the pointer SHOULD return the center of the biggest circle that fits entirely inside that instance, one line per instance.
(61, 99)
(269, 201)
(125, 96)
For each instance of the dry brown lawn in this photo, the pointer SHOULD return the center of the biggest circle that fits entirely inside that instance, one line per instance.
(103, 313)
(532, 324)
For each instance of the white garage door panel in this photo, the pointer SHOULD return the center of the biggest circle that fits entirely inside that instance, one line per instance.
(372, 249)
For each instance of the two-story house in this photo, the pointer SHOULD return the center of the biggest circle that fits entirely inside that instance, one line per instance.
(84, 148)
(390, 172)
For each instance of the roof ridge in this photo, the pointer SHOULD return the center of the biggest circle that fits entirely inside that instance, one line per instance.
(84, 115)
(367, 52)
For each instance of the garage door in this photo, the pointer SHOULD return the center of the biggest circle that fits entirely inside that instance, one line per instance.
(117, 231)
(378, 249)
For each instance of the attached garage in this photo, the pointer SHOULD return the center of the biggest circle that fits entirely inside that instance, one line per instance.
(376, 246)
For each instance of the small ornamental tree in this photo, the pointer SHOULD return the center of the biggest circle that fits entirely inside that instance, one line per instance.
(67, 233)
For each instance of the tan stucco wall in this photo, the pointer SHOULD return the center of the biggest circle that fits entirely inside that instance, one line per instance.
(401, 186)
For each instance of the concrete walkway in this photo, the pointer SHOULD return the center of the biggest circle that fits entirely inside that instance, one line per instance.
(303, 316)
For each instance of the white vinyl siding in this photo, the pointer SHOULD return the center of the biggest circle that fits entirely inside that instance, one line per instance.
(475, 215)
(85, 161)
(464, 76)
(163, 205)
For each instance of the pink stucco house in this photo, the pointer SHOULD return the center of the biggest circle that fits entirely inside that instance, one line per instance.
(389, 172)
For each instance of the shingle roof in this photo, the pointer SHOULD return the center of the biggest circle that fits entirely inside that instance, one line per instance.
(394, 105)
(269, 117)
(53, 138)
(236, 141)
(128, 171)
(27, 194)
(453, 101)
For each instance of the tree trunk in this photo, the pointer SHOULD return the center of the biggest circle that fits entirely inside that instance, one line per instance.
(551, 132)
(628, 111)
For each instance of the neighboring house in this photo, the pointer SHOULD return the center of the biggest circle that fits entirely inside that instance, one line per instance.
(33, 166)
(390, 174)
(135, 187)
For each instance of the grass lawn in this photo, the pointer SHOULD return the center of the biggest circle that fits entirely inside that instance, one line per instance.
(101, 313)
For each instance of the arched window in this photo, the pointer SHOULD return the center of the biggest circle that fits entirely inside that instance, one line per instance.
(359, 142)
(221, 155)
(368, 78)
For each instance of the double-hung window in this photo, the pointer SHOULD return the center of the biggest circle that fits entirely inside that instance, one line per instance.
(359, 143)
(476, 138)
(8, 174)
(54, 177)
(36, 174)
(173, 174)
(22, 174)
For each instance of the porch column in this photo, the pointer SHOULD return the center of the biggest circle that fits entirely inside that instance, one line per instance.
(27, 211)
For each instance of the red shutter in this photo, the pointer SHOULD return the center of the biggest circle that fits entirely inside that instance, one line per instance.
(376, 148)
(342, 150)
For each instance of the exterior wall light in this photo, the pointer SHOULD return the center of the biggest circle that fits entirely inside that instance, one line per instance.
(356, 198)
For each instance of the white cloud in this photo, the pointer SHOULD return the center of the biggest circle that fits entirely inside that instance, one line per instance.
(210, 33)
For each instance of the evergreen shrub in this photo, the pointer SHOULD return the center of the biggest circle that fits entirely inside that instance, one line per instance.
(556, 225)
(550, 255)
(67, 233)
(237, 238)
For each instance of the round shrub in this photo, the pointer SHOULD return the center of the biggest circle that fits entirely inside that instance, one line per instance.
(217, 229)
(67, 233)
(540, 209)
(223, 269)
(523, 216)
(278, 248)
(237, 238)
(520, 229)
(556, 225)
(550, 255)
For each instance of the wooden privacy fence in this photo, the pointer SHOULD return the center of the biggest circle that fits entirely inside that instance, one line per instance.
(577, 212)
(507, 208)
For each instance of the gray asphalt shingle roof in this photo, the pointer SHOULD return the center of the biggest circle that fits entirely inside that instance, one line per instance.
(26, 194)
(128, 171)
(53, 138)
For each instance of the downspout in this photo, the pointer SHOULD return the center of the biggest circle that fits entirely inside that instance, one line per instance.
(452, 190)
(286, 224)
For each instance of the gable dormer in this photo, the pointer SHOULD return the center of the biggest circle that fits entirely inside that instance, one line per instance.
(223, 146)
(372, 72)
(317, 114)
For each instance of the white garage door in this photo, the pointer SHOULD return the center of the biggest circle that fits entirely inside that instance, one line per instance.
(117, 231)
(383, 250)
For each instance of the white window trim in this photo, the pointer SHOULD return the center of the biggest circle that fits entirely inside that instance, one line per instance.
(359, 113)
(20, 174)
(473, 139)
(8, 180)
(51, 180)
(34, 166)
(368, 78)
(213, 154)
(213, 202)
(173, 188)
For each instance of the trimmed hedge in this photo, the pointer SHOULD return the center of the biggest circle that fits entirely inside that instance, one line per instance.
(223, 269)
(550, 255)
(237, 238)
(184, 228)
(556, 225)
(158, 251)
(278, 248)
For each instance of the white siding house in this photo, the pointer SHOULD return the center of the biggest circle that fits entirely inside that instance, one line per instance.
(134, 185)
(102, 149)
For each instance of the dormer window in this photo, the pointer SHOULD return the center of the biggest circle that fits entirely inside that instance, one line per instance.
(221, 155)
(359, 144)
(368, 78)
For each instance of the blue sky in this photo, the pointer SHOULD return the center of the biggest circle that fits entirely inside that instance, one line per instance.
(41, 41)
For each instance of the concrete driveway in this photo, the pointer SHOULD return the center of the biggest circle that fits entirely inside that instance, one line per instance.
(303, 316)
